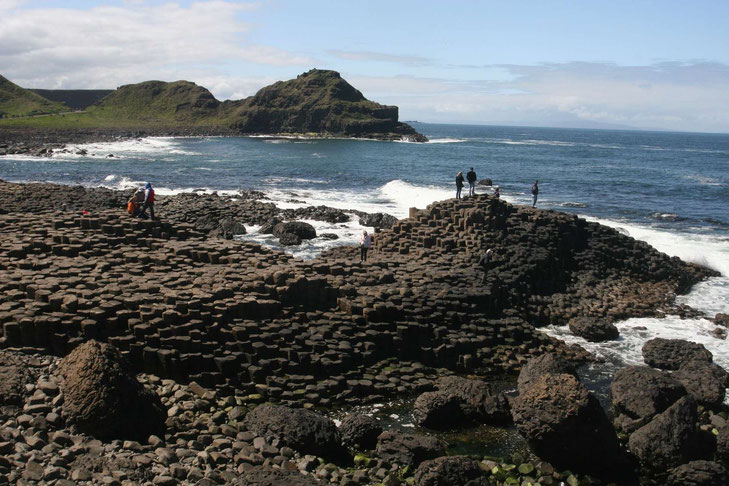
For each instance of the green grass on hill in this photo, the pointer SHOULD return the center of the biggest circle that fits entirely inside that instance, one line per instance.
(16, 101)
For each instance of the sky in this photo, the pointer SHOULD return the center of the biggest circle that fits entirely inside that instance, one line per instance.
(591, 63)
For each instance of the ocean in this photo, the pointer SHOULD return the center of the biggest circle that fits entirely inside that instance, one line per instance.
(668, 189)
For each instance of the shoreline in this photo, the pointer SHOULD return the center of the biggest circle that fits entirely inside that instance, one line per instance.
(248, 324)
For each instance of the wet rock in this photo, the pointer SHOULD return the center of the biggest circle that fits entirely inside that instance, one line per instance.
(722, 442)
(304, 231)
(447, 471)
(669, 354)
(548, 363)
(104, 399)
(267, 476)
(378, 220)
(360, 431)
(408, 449)
(706, 382)
(638, 393)
(14, 376)
(289, 239)
(670, 439)
(698, 473)
(593, 329)
(457, 401)
(565, 424)
(302, 430)
(721, 320)
(227, 229)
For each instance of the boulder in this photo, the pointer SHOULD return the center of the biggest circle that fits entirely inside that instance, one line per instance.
(565, 424)
(305, 231)
(548, 363)
(669, 354)
(360, 431)
(706, 382)
(593, 329)
(408, 449)
(670, 439)
(227, 229)
(267, 228)
(378, 220)
(268, 476)
(14, 376)
(721, 320)
(485, 182)
(698, 473)
(289, 239)
(638, 393)
(450, 471)
(103, 398)
(722, 442)
(456, 401)
(303, 430)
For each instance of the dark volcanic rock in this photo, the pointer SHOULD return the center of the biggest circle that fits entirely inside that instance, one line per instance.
(593, 329)
(638, 393)
(268, 476)
(706, 382)
(289, 239)
(722, 442)
(227, 229)
(104, 399)
(458, 401)
(408, 449)
(721, 320)
(302, 430)
(698, 473)
(14, 376)
(548, 363)
(450, 471)
(669, 354)
(565, 424)
(377, 220)
(360, 431)
(304, 231)
(670, 439)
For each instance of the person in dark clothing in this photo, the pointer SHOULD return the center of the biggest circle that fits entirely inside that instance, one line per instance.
(535, 193)
(497, 194)
(148, 202)
(483, 262)
(459, 184)
(471, 178)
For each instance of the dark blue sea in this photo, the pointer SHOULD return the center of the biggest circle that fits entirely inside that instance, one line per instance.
(669, 189)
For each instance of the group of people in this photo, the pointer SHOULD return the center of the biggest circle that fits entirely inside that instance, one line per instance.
(141, 200)
(471, 178)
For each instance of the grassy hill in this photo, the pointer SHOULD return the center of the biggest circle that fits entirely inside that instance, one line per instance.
(16, 101)
(317, 102)
(76, 99)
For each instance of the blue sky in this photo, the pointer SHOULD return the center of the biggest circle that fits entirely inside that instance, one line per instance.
(643, 64)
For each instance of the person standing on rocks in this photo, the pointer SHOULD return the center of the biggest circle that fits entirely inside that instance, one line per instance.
(535, 193)
(148, 201)
(483, 262)
(365, 243)
(459, 184)
(497, 194)
(471, 177)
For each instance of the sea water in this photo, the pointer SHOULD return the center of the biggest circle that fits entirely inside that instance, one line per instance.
(668, 189)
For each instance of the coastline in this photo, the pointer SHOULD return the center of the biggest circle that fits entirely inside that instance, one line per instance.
(250, 324)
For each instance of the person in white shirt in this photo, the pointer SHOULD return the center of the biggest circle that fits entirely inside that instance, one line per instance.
(365, 243)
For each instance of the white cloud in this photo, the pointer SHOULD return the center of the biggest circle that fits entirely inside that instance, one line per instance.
(107, 46)
(379, 57)
(676, 96)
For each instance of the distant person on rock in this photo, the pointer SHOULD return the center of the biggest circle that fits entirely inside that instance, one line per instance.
(365, 243)
(471, 177)
(134, 205)
(459, 184)
(535, 193)
(483, 262)
(497, 194)
(148, 202)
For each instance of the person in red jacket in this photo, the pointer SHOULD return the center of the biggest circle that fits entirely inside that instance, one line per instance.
(148, 202)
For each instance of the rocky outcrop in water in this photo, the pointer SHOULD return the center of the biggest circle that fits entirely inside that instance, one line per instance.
(670, 354)
(592, 329)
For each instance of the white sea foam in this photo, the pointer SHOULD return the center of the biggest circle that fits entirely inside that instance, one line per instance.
(446, 140)
(126, 148)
